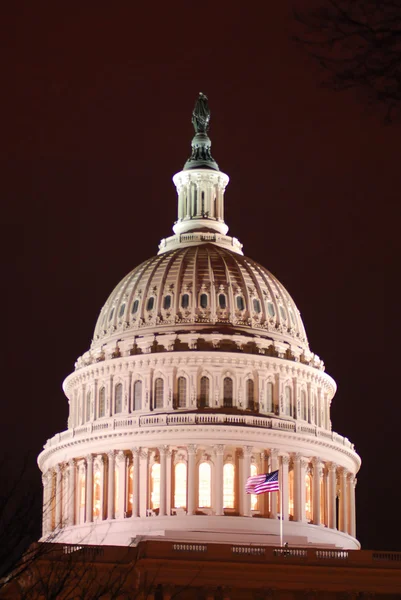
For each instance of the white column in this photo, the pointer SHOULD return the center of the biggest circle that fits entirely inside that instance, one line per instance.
(285, 461)
(168, 480)
(218, 479)
(343, 524)
(191, 479)
(135, 482)
(144, 478)
(121, 467)
(246, 471)
(264, 498)
(332, 491)
(162, 508)
(110, 484)
(273, 495)
(303, 464)
(71, 493)
(351, 505)
(89, 489)
(317, 474)
(59, 475)
(300, 465)
(46, 522)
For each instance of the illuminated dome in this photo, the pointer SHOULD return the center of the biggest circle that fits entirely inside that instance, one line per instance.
(198, 376)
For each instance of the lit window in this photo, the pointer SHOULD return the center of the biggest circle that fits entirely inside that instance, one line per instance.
(185, 301)
(269, 396)
(254, 498)
(291, 493)
(228, 391)
(182, 392)
(256, 305)
(118, 398)
(240, 303)
(138, 395)
(205, 485)
(222, 301)
(150, 304)
(167, 302)
(81, 496)
(203, 300)
(111, 314)
(250, 393)
(204, 391)
(135, 307)
(308, 496)
(102, 402)
(96, 494)
(155, 486)
(122, 310)
(270, 309)
(159, 393)
(180, 485)
(130, 488)
(228, 485)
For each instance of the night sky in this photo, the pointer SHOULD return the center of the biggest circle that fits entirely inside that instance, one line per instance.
(96, 106)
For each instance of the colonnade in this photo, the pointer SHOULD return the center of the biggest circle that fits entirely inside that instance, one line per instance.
(191, 480)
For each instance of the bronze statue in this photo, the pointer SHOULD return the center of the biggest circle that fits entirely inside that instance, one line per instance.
(201, 114)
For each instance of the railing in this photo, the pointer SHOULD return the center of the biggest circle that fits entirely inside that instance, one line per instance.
(185, 418)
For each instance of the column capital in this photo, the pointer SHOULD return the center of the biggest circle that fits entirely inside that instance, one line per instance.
(110, 454)
(144, 453)
(247, 450)
(351, 478)
(343, 471)
(135, 451)
(285, 459)
(219, 449)
(89, 459)
(71, 463)
(120, 457)
(58, 469)
(332, 467)
(191, 448)
(163, 450)
(296, 457)
(304, 462)
(274, 452)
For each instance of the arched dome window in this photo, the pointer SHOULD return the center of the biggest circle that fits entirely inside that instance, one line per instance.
(167, 302)
(204, 392)
(222, 301)
(88, 407)
(227, 392)
(282, 313)
(270, 309)
(118, 398)
(240, 303)
(291, 493)
(182, 392)
(254, 498)
(250, 394)
(287, 400)
(304, 412)
(96, 493)
(130, 498)
(185, 301)
(256, 305)
(205, 485)
(102, 401)
(150, 304)
(122, 310)
(269, 396)
(159, 393)
(180, 485)
(135, 306)
(155, 486)
(203, 300)
(228, 485)
(308, 496)
(111, 314)
(138, 395)
(292, 317)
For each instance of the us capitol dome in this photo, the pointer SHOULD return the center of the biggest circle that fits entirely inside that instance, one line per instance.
(198, 376)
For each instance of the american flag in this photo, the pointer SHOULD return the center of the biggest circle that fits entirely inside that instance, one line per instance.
(259, 484)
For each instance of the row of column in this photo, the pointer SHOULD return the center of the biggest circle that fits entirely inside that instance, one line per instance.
(72, 496)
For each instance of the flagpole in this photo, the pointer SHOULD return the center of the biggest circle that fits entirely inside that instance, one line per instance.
(281, 505)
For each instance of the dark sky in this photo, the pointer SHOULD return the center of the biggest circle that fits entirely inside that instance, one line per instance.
(96, 102)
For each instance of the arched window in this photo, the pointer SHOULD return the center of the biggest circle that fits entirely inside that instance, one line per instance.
(222, 301)
(323, 508)
(81, 496)
(155, 486)
(130, 502)
(287, 400)
(182, 392)
(102, 402)
(282, 313)
(291, 493)
(180, 485)
(270, 309)
(228, 486)
(228, 391)
(96, 493)
(122, 310)
(204, 391)
(205, 485)
(138, 395)
(254, 498)
(111, 314)
(203, 300)
(304, 414)
(118, 398)
(185, 301)
(269, 396)
(250, 394)
(135, 306)
(256, 305)
(240, 303)
(159, 393)
(150, 304)
(88, 407)
(308, 496)
(167, 302)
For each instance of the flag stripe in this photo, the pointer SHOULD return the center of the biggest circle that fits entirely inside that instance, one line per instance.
(259, 484)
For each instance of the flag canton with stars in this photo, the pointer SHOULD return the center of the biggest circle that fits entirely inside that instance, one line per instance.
(258, 484)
